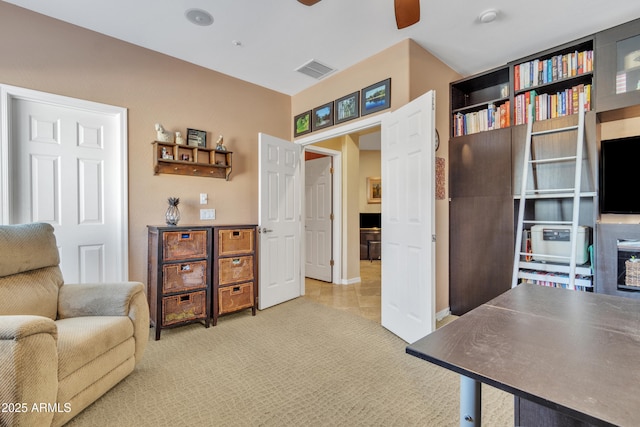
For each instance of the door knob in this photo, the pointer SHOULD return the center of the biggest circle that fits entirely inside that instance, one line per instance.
(264, 230)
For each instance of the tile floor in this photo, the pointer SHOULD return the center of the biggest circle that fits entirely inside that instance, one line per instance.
(361, 298)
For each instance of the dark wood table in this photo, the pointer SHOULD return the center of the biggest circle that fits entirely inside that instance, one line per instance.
(569, 357)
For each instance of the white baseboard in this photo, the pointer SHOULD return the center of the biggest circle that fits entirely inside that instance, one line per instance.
(443, 313)
(350, 281)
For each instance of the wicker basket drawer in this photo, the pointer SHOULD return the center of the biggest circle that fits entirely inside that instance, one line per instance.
(179, 245)
(234, 298)
(235, 241)
(180, 308)
(236, 269)
(184, 276)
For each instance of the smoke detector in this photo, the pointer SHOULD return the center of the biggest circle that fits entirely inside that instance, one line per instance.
(199, 17)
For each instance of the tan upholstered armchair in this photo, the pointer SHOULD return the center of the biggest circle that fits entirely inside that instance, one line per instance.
(61, 346)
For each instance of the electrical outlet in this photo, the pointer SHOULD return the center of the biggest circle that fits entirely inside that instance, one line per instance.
(203, 198)
(207, 214)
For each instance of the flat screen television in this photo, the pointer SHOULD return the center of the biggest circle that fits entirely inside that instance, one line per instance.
(619, 174)
(370, 220)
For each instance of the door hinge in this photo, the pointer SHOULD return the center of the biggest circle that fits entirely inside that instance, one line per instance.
(331, 217)
(331, 263)
(433, 238)
(331, 170)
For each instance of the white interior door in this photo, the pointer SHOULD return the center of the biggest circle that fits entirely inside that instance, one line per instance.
(408, 219)
(66, 168)
(280, 221)
(317, 225)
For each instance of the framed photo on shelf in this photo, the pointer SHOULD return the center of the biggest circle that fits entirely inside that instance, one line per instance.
(302, 123)
(322, 116)
(197, 138)
(374, 190)
(376, 97)
(347, 107)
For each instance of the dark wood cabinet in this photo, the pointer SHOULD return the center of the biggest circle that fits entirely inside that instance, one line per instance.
(235, 274)
(618, 67)
(179, 276)
(481, 250)
(480, 164)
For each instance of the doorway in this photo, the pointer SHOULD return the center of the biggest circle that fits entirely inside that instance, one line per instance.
(362, 293)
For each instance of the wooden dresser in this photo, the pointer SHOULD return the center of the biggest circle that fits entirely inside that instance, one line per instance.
(179, 276)
(235, 272)
(197, 273)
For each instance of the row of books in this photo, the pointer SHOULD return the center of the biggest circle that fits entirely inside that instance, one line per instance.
(493, 117)
(549, 105)
(556, 280)
(542, 71)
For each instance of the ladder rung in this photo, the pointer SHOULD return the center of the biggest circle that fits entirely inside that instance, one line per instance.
(551, 190)
(554, 159)
(533, 221)
(544, 255)
(551, 131)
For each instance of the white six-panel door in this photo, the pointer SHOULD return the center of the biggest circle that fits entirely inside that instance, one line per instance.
(317, 225)
(408, 219)
(66, 169)
(280, 224)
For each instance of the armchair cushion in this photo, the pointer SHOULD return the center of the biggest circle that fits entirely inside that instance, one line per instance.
(83, 339)
(29, 274)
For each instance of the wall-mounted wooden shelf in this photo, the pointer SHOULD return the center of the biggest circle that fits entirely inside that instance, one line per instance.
(189, 160)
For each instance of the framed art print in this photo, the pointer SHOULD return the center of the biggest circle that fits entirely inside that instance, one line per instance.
(376, 97)
(302, 123)
(347, 107)
(322, 116)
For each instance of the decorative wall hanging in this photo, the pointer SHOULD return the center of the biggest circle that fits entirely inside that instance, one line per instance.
(376, 97)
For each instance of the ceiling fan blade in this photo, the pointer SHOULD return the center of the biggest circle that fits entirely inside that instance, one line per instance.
(407, 12)
(308, 2)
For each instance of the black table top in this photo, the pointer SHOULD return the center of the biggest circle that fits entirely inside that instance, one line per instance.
(575, 352)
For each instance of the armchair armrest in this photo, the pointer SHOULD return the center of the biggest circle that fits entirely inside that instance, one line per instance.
(108, 299)
(28, 368)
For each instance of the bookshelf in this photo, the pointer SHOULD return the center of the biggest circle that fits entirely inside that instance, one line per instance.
(481, 102)
(552, 81)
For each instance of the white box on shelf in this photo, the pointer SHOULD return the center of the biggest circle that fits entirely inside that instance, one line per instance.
(549, 241)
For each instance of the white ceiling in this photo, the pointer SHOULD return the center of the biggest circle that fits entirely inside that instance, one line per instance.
(278, 36)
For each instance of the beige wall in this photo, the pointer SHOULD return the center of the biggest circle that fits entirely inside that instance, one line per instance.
(51, 56)
(413, 72)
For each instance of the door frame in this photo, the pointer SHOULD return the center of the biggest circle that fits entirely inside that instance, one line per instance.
(335, 132)
(336, 201)
(7, 94)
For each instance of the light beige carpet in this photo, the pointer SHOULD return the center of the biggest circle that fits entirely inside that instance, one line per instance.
(296, 364)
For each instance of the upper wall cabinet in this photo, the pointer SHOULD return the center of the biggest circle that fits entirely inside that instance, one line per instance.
(618, 67)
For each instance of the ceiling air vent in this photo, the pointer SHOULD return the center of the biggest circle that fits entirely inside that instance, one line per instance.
(315, 69)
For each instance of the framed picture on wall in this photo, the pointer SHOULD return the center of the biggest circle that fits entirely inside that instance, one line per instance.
(302, 123)
(347, 107)
(374, 190)
(376, 97)
(322, 116)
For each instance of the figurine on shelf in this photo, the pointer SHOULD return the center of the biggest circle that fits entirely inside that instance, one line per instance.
(179, 138)
(163, 135)
(219, 146)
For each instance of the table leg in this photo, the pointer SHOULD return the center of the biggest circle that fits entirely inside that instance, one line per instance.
(470, 397)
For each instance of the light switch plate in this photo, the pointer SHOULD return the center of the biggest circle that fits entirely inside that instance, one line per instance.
(203, 198)
(207, 214)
